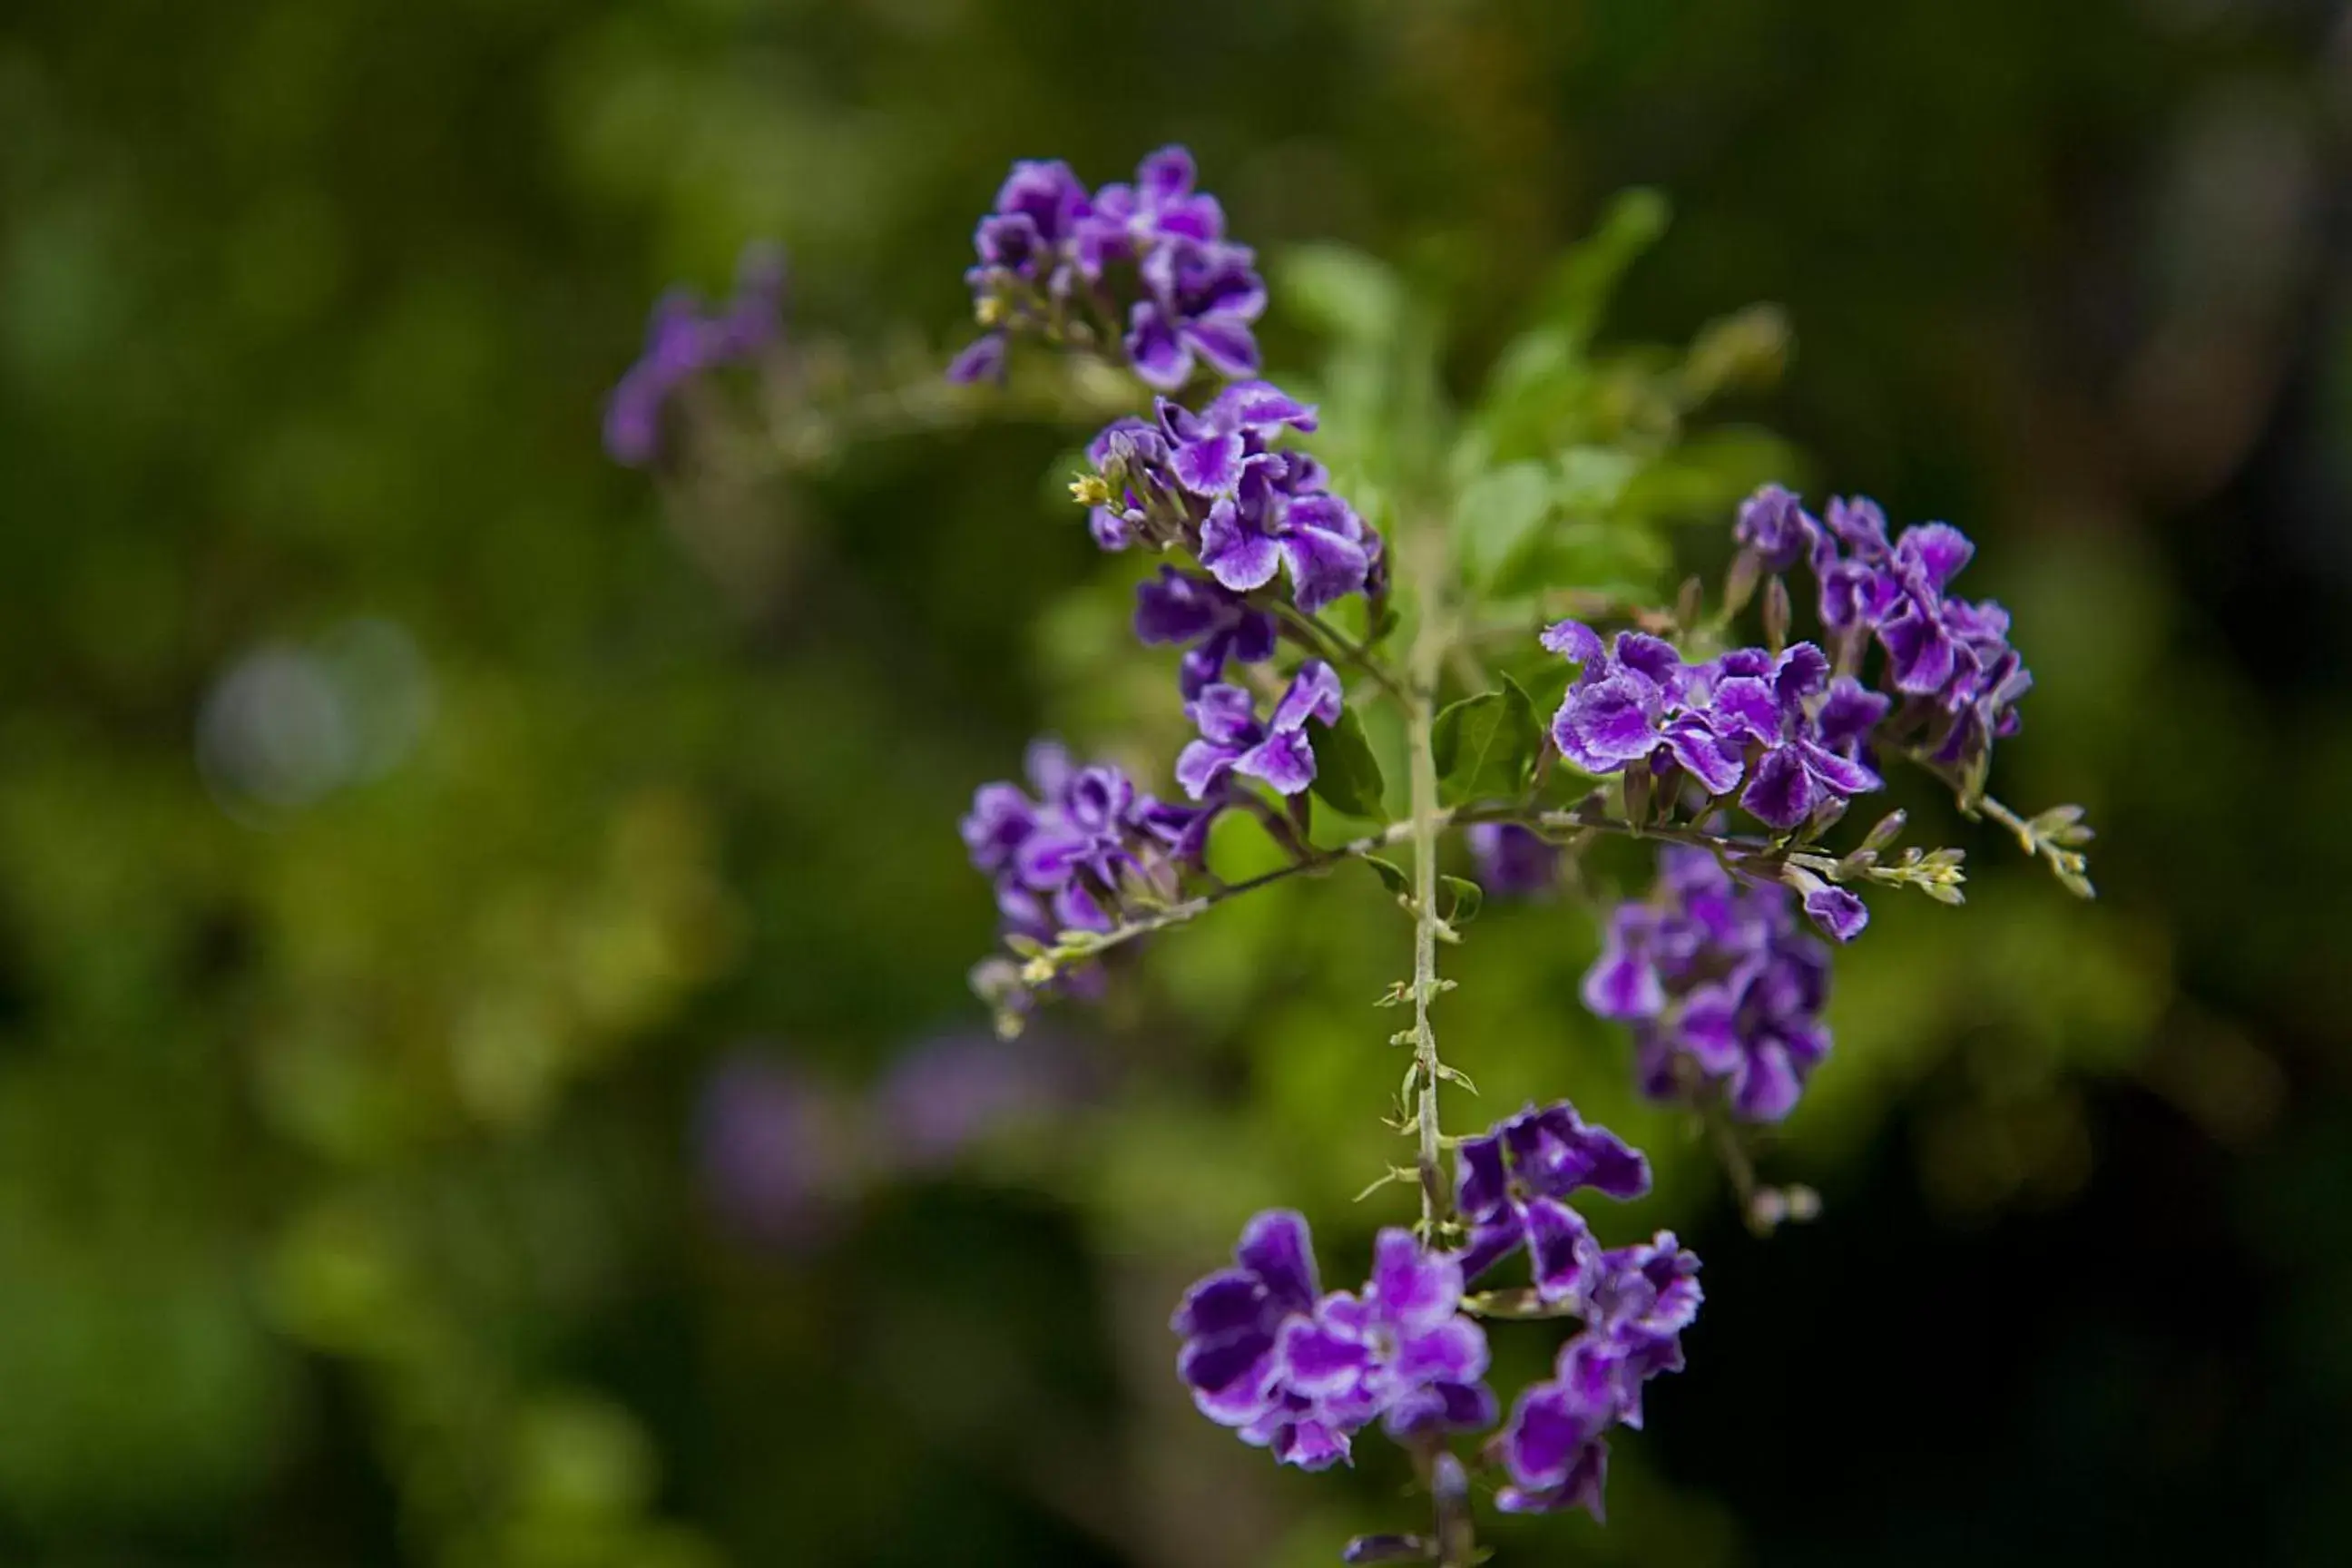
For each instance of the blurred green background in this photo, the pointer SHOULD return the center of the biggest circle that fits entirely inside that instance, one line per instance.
(474, 921)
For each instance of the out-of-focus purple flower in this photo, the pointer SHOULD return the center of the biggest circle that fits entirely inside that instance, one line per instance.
(1215, 625)
(1160, 206)
(945, 1095)
(1064, 859)
(1276, 751)
(682, 342)
(1720, 984)
(1057, 262)
(1513, 1186)
(1400, 1350)
(1774, 524)
(1555, 1448)
(1199, 301)
(778, 1150)
(1513, 862)
(1300, 1372)
(1231, 1323)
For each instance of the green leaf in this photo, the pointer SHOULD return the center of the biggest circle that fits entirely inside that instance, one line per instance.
(1495, 517)
(1703, 477)
(1625, 558)
(1467, 898)
(1484, 744)
(1587, 276)
(1342, 292)
(1390, 874)
(1593, 479)
(1347, 774)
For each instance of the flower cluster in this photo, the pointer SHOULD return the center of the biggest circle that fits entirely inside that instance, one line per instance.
(1723, 986)
(1070, 856)
(1635, 1308)
(682, 342)
(1778, 723)
(1299, 1373)
(1723, 992)
(1209, 482)
(1059, 262)
(1212, 483)
(1952, 677)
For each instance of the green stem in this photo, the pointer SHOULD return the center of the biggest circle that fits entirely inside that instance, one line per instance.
(1335, 646)
(1428, 820)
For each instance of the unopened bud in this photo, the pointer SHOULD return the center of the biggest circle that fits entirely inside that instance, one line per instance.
(1740, 584)
(1776, 616)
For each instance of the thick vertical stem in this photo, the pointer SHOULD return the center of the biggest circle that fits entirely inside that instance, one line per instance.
(1426, 658)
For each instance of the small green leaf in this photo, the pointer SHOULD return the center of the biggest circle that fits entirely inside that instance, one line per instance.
(1484, 746)
(1392, 876)
(1495, 517)
(1624, 558)
(1588, 275)
(1467, 897)
(1347, 774)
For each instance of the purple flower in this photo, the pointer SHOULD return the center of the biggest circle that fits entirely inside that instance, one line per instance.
(1401, 1351)
(1513, 1185)
(1513, 861)
(1951, 680)
(1779, 712)
(1234, 740)
(1057, 262)
(1160, 206)
(1639, 1300)
(681, 343)
(1213, 622)
(1231, 1321)
(1037, 211)
(1837, 911)
(1774, 524)
(1722, 988)
(1209, 450)
(1553, 1448)
(1281, 516)
(1214, 483)
(1300, 1372)
(1634, 703)
(1199, 301)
